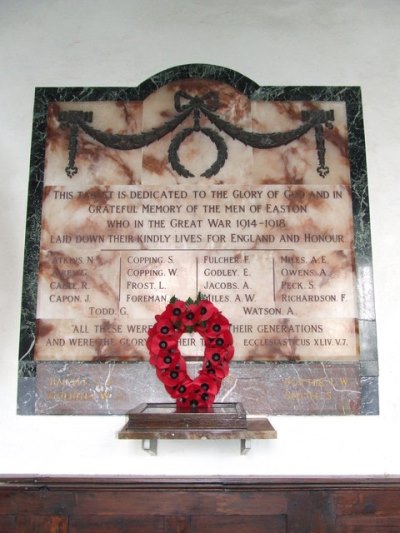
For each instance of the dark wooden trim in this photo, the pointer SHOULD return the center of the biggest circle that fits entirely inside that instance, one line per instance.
(69, 504)
(192, 482)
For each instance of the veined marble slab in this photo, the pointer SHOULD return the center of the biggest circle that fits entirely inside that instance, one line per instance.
(254, 196)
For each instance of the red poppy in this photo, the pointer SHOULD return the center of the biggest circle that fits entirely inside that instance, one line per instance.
(174, 311)
(217, 324)
(225, 350)
(208, 383)
(229, 352)
(222, 340)
(178, 390)
(151, 332)
(219, 371)
(213, 354)
(162, 345)
(169, 360)
(165, 328)
(172, 376)
(189, 316)
(197, 398)
(205, 310)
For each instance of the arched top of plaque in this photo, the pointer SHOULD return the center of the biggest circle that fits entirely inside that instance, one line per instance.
(202, 121)
(199, 71)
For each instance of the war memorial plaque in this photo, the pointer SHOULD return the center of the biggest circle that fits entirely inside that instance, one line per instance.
(196, 181)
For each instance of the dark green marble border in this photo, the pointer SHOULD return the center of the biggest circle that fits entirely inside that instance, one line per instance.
(350, 95)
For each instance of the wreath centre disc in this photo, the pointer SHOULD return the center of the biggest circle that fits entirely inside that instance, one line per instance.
(179, 317)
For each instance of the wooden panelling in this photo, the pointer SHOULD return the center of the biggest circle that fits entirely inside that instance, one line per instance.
(368, 502)
(8, 523)
(178, 524)
(199, 505)
(116, 524)
(238, 524)
(41, 524)
(367, 524)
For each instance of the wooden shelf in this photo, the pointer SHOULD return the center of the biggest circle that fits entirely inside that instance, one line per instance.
(151, 422)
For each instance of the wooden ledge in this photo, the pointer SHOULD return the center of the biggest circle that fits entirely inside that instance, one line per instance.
(153, 421)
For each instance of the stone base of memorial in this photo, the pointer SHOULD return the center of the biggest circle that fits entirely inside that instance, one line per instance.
(150, 422)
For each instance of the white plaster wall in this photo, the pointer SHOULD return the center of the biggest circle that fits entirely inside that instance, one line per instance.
(122, 43)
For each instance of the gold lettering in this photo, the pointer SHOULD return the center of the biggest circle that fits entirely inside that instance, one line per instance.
(70, 396)
(65, 382)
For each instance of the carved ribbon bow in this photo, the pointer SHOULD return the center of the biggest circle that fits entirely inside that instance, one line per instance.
(197, 104)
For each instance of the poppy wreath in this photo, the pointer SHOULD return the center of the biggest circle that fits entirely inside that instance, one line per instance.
(181, 317)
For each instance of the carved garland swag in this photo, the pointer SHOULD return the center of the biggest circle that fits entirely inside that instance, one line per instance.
(187, 105)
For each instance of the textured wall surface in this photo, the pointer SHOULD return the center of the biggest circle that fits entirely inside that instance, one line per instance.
(309, 43)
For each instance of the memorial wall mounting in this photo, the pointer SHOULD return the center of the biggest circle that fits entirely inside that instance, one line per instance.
(196, 181)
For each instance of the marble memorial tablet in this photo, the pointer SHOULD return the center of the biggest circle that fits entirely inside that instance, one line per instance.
(196, 181)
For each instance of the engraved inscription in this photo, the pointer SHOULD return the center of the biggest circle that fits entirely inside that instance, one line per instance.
(267, 239)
